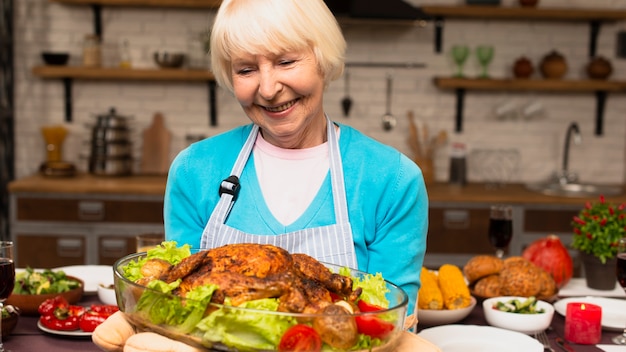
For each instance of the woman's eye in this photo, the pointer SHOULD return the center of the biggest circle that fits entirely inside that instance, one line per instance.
(286, 62)
(244, 71)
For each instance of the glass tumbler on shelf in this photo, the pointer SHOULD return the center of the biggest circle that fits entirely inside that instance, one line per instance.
(620, 271)
(7, 277)
(500, 227)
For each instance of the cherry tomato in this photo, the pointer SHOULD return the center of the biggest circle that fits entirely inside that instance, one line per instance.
(368, 307)
(302, 338)
(373, 326)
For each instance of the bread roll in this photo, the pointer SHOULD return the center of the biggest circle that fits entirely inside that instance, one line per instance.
(481, 266)
(488, 286)
(519, 277)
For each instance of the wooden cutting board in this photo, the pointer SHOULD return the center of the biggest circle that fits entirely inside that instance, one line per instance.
(155, 158)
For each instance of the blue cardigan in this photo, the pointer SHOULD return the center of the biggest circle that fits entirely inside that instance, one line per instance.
(386, 195)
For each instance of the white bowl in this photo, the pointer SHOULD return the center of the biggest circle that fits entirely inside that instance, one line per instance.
(524, 323)
(432, 317)
(106, 293)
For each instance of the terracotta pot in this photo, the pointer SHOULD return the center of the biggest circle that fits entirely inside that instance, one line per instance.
(599, 276)
(523, 68)
(599, 68)
(553, 65)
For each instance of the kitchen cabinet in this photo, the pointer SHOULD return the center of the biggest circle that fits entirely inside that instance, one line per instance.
(58, 229)
(594, 16)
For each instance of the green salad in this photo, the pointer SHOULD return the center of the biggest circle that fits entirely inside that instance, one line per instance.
(246, 330)
(31, 282)
(527, 306)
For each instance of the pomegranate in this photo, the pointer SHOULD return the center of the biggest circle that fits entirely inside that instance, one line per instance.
(551, 255)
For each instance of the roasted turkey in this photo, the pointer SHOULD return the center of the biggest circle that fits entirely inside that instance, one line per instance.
(249, 271)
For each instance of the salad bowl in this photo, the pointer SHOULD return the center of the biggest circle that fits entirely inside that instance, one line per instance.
(251, 326)
(29, 303)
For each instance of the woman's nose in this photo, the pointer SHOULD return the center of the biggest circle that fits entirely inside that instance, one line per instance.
(269, 85)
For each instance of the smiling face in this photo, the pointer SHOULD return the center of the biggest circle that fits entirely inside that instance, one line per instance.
(283, 94)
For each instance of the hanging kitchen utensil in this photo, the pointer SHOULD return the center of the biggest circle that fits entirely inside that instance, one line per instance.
(389, 121)
(346, 102)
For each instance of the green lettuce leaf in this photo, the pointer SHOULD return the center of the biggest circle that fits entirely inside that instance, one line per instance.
(247, 330)
(374, 287)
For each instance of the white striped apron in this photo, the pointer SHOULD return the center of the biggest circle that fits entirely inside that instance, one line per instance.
(332, 243)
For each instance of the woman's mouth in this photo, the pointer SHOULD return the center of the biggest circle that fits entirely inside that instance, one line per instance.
(281, 107)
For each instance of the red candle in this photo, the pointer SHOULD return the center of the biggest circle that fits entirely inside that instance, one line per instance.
(583, 323)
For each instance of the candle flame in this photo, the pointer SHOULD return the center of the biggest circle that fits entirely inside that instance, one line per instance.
(582, 306)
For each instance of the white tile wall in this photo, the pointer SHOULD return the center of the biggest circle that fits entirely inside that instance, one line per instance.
(40, 25)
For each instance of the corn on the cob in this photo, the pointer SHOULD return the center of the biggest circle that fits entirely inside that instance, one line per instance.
(429, 295)
(454, 290)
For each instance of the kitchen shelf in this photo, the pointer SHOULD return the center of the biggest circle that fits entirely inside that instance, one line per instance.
(70, 73)
(599, 87)
(147, 3)
(594, 16)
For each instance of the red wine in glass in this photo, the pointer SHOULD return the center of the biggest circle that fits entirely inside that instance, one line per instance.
(7, 278)
(500, 228)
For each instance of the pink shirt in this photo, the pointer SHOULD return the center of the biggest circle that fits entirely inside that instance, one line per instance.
(289, 192)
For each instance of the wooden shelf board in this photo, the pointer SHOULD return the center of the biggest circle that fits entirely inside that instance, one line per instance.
(147, 3)
(549, 85)
(524, 13)
(122, 74)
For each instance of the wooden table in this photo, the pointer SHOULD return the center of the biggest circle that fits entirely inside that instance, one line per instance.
(477, 317)
(27, 337)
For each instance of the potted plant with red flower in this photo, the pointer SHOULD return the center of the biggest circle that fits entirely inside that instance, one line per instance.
(597, 229)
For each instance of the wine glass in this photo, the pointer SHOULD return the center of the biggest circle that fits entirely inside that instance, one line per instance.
(460, 53)
(484, 54)
(620, 271)
(7, 277)
(500, 227)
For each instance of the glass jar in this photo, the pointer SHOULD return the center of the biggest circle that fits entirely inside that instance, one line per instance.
(92, 51)
(458, 164)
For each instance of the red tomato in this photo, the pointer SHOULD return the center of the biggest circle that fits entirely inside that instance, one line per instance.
(300, 337)
(368, 307)
(373, 326)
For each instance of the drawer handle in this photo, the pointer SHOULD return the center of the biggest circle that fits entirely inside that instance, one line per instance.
(69, 248)
(456, 219)
(90, 210)
(113, 248)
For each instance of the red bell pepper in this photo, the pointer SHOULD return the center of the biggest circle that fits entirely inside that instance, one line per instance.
(54, 323)
(48, 306)
(105, 309)
(95, 316)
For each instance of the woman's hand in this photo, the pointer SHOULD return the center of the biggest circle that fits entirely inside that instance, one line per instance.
(116, 334)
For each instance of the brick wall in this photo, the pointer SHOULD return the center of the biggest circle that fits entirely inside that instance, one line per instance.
(538, 139)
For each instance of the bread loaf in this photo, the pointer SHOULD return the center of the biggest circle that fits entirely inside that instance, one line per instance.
(519, 277)
(488, 286)
(481, 266)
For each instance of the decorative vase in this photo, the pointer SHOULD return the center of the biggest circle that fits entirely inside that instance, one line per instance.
(599, 276)
(553, 65)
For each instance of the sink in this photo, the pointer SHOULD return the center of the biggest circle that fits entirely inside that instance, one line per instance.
(575, 189)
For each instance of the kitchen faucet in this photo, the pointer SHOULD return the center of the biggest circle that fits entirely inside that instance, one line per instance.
(565, 176)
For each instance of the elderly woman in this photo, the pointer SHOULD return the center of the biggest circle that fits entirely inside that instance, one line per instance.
(293, 178)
